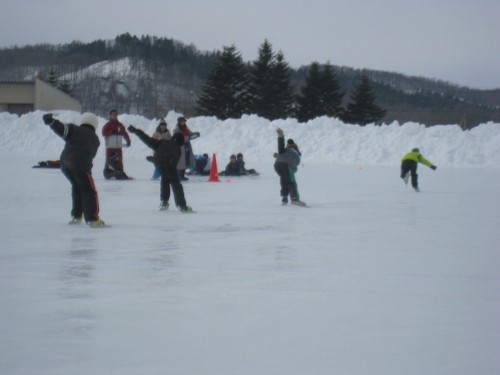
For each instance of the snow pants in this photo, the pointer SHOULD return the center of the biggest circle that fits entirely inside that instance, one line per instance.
(83, 193)
(410, 166)
(170, 179)
(287, 181)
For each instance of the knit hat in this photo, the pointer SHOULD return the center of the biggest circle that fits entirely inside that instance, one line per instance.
(179, 119)
(89, 119)
(162, 122)
(415, 150)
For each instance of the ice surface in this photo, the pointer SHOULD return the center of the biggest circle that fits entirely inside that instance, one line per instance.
(372, 279)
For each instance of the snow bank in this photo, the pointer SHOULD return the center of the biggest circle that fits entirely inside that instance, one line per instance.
(323, 140)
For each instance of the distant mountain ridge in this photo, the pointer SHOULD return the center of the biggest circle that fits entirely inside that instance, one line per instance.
(150, 76)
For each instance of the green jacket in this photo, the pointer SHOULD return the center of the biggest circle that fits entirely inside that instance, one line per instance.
(417, 157)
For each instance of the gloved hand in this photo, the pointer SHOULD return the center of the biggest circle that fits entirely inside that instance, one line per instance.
(433, 167)
(128, 143)
(280, 132)
(132, 129)
(48, 119)
(116, 130)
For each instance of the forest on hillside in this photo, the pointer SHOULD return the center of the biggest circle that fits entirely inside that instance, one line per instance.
(150, 76)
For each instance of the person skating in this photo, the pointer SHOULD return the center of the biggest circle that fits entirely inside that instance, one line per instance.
(409, 163)
(287, 161)
(166, 156)
(114, 132)
(76, 158)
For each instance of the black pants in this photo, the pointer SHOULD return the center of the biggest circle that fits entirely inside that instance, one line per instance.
(84, 194)
(411, 167)
(287, 181)
(170, 178)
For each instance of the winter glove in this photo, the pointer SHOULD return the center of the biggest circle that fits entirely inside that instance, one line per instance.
(116, 130)
(433, 167)
(48, 119)
(280, 132)
(128, 143)
(132, 129)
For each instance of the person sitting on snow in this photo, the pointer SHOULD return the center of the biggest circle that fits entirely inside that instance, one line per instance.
(232, 168)
(243, 170)
(112, 169)
(202, 165)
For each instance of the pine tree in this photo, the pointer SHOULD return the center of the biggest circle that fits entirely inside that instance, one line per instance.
(224, 95)
(270, 90)
(310, 100)
(332, 94)
(282, 97)
(362, 109)
(260, 86)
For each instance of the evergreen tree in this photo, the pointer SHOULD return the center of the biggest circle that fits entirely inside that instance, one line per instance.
(270, 91)
(362, 109)
(310, 100)
(282, 97)
(332, 94)
(260, 90)
(224, 95)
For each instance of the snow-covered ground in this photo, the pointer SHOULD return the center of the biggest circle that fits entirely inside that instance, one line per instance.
(372, 279)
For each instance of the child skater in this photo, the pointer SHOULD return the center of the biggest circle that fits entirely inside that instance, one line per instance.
(287, 161)
(166, 156)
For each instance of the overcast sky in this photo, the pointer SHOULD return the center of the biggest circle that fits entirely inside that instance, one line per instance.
(453, 40)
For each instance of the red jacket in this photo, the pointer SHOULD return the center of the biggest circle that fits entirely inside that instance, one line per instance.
(113, 131)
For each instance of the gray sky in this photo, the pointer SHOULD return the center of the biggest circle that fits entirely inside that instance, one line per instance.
(453, 40)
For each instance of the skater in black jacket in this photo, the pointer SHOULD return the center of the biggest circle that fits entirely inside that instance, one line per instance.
(287, 161)
(76, 164)
(166, 157)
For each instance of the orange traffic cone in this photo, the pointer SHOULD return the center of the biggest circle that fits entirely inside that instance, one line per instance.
(214, 175)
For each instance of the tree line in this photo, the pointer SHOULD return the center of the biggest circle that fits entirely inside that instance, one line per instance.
(168, 75)
(264, 88)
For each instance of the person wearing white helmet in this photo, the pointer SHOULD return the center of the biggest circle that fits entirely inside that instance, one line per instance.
(81, 145)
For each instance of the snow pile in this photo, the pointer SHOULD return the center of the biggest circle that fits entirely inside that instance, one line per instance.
(323, 140)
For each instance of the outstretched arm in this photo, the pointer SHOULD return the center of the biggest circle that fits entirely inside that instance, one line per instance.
(281, 141)
(62, 130)
(150, 142)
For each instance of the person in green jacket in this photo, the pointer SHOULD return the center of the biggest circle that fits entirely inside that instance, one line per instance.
(409, 164)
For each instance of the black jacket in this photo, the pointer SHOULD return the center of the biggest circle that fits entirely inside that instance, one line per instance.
(81, 146)
(167, 152)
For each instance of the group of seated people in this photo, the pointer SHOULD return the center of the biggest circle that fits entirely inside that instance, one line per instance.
(235, 167)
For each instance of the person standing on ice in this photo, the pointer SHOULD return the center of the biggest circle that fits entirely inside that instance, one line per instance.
(187, 156)
(409, 164)
(166, 156)
(114, 132)
(76, 164)
(287, 161)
